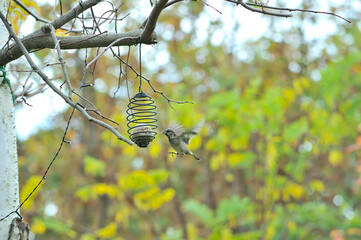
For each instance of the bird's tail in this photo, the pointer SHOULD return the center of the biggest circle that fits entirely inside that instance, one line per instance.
(195, 156)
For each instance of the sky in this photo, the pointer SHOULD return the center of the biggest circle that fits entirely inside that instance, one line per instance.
(29, 119)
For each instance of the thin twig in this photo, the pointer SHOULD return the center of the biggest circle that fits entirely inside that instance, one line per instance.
(94, 109)
(120, 75)
(109, 46)
(150, 84)
(126, 72)
(208, 5)
(298, 10)
(246, 6)
(60, 57)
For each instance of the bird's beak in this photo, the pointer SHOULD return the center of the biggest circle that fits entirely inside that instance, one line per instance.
(163, 132)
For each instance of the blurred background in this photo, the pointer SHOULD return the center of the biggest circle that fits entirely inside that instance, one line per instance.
(280, 144)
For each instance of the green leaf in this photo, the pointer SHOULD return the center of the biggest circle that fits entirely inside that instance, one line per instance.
(201, 211)
(94, 167)
(232, 208)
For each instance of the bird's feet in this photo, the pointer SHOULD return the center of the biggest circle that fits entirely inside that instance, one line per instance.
(177, 154)
(173, 153)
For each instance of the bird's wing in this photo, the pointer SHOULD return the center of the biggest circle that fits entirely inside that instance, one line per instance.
(187, 135)
(176, 128)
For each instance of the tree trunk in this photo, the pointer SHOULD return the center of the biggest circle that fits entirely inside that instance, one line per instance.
(11, 228)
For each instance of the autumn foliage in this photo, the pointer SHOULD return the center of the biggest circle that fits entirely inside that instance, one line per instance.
(280, 145)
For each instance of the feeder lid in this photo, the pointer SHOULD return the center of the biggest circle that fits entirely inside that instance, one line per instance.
(140, 95)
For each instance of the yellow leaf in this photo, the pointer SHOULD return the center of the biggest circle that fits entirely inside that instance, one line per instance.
(60, 33)
(229, 177)
(354, 231)
(122, 216)
(210, 144)
(335, 157)
(155, 149)
(83, 193)
(217, 161)
(162, 198)
(136, 180)
(270, 232)
(29, 186)
(192, 231)
(292, 190)
(234, 159)
(239, 143)
(226, 234)
(142, 199)
(108, 231)
(129, 151)
(300, 85)
(291, 225)
(317, 186)
(103, 188)
(232, 220)
(289, 95)
(271, 156)
(38, 227)
(196, 142)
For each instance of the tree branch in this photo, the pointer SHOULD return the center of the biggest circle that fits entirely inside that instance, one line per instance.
(55, 89)
(262, 10)
(152, 20)
(72, 42)
(298, 10)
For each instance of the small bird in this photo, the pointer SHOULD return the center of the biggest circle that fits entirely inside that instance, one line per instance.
(179, 138)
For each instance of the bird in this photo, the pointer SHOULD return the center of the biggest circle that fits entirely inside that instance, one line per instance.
(179, 138)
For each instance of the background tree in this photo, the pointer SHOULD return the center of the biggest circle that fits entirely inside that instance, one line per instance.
(271, 126)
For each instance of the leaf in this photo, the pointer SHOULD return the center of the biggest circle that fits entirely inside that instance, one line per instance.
(153, 198)
(232, 208)
(108, 231)
(201, 211)
(335, 157)
(27, 189)
(38, 227)
(317, 186)
(295, 130)
(59, 227)
(292, 190)
(94, 167)
(155, 149)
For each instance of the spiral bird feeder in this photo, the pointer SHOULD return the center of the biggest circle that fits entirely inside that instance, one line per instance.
(141, 115)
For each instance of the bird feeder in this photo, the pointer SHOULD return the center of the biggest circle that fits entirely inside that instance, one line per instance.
(141, 115)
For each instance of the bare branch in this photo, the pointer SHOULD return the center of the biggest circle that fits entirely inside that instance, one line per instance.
(55, 89)
(71, 42)
(170, 3)
(150, 84)
(152, 20)
(94, 109)
(29, 93)
(298, 10)
(110, 45)
(49, 27)
(262, 10)
(208, 5)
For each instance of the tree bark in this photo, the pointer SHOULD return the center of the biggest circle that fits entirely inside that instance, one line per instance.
(11, 228)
